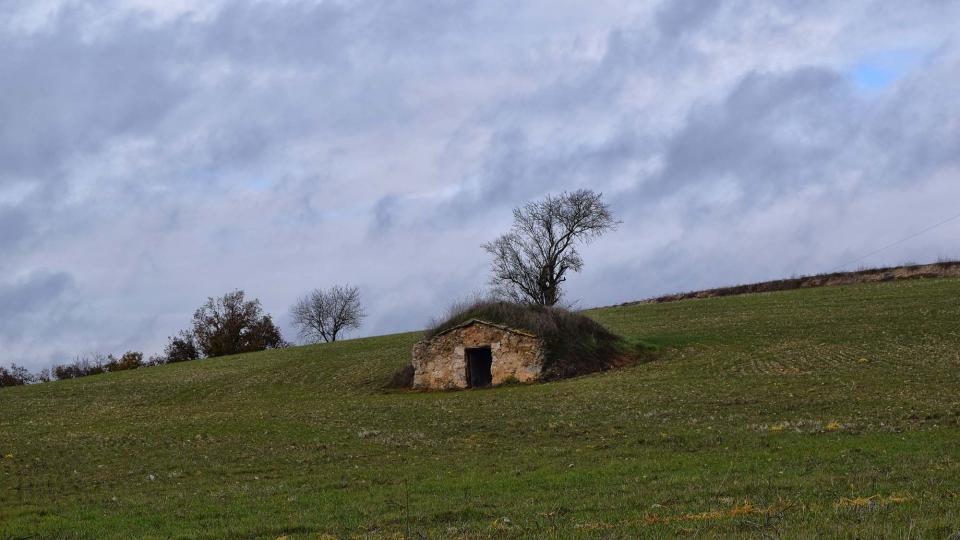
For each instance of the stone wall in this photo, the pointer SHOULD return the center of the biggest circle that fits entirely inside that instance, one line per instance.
(440, 363)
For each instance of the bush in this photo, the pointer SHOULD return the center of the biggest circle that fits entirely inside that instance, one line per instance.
(129, 360)
(232, 325)
(180, 348)
(574, 344)
(402, 378)
(155, 360)
(15, 376)
(80, 367)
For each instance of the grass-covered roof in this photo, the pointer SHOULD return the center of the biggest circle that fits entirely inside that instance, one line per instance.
(574, 344)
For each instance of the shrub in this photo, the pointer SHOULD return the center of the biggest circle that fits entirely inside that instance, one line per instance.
(403, 378)
(180, 348)
(129, 360)
(15, 376)
(231, 325)
(80, 367)
(155, 360)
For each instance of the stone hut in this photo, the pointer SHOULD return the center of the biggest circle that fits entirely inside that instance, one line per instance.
(475, 354)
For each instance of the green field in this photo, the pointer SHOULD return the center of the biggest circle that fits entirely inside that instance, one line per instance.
(832, 412)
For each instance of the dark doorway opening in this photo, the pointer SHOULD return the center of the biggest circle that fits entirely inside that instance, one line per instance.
(479, 361)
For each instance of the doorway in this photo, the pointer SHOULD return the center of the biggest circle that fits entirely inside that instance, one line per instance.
(479, 362)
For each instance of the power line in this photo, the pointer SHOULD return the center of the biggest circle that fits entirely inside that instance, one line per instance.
(898, 242)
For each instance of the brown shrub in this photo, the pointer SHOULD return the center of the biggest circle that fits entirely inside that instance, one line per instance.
(403, 378)
(129, 360)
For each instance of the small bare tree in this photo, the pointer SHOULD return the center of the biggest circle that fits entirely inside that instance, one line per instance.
(532, 260)
(323, 315)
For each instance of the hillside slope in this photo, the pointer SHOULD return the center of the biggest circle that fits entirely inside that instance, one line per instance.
(829, 411)
(871, 275)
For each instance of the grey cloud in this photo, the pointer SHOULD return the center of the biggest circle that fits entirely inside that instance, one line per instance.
(64, 95)
(294, 33)
(684, 16)
(32, 292)
(284, 146)
(33, 302)
(777, 133)
(385, 212)
(771, 129)
(15, 227)
(329, 35)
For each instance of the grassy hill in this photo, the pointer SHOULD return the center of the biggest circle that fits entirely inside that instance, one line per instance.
(829, 411)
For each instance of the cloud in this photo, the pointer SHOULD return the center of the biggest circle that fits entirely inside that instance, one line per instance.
(31, 294)
(36, 307)
(15, 226)
(156, 153)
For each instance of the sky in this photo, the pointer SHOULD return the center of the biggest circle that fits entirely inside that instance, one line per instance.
(157, 152)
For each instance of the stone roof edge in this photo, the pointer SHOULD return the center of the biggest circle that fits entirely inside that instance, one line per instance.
(488, 323)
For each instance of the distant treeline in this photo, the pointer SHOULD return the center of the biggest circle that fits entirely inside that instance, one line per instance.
(225, 325)
(80, 367)
(229, 324)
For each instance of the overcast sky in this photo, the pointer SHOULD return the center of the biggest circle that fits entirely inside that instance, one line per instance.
(153, 153)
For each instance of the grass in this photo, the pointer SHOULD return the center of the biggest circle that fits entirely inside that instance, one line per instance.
(939, 269)
(827, 412)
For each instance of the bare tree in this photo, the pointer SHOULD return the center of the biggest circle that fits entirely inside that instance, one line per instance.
(532, 260)
(323, 315)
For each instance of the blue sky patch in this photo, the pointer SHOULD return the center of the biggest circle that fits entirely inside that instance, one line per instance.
(880, 70)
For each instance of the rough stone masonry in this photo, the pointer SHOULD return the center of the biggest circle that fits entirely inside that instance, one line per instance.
(441, 362)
